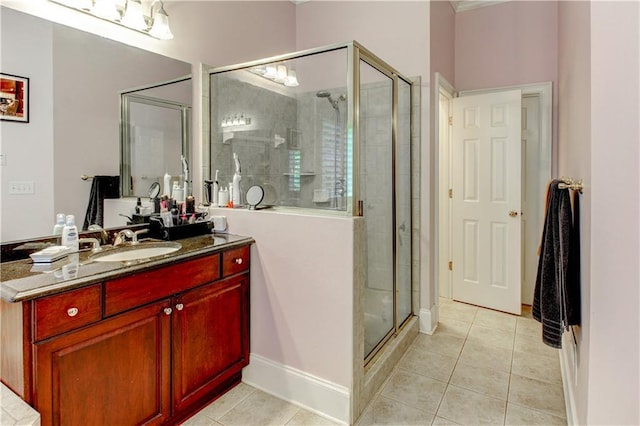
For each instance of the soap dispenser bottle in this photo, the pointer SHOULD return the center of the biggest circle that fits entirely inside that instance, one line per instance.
(57, 228)
(70, 234)
(237, 177)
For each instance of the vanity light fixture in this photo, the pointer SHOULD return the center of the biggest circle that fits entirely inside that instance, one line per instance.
(105, 9)
(235, 120)
(160, 28)
(278, 73)
(128, 13)
(292, 79)
(133, 17)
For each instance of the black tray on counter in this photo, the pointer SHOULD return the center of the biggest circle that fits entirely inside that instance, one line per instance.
(170, 233)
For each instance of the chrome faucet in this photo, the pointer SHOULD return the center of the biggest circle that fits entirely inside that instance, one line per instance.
(128, 233)
(122, 237)
(95, 243)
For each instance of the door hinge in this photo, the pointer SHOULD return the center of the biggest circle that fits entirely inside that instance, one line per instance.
(450, 193)
(360, 207)
(451, 120)
(451, 265)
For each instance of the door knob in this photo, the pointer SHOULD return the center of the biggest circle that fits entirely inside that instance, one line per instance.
(513, 213)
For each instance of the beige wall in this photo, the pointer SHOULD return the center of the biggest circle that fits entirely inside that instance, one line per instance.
(614, 317)
(442, 48)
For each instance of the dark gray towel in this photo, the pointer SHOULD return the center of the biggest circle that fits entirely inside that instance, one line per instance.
(101, 188)
(572, 282)
(549, 298)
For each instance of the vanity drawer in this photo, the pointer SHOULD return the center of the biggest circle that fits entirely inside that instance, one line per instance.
(140, 288)
(63, 312)
(235, 261)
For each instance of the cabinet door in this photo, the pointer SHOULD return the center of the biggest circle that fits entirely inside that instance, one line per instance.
(113, 373)
(210, 340)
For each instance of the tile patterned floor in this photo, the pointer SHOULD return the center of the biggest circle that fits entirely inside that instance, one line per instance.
(479, 367)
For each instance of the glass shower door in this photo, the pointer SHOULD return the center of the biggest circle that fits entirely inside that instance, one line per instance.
(376, 186)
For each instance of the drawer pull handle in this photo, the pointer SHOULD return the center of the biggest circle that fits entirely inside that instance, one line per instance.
(167, 311)
(72, 312)
(179, 306)
(238, 261)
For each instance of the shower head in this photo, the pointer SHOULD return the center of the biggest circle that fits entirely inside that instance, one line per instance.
(333, 102)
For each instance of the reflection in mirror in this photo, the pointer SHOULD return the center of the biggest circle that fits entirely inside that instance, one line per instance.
(156, 133)
(76, 80)
(291, 137)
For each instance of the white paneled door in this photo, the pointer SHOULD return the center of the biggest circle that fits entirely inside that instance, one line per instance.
(486, 200)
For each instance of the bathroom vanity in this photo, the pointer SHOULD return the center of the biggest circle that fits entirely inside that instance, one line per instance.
(146, 342)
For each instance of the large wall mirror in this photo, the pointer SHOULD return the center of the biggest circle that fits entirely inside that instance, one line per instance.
(76, 82)
(155, 137)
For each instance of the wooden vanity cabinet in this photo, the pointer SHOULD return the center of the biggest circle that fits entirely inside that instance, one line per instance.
(210, 339)
(155, 362)
(115, 372)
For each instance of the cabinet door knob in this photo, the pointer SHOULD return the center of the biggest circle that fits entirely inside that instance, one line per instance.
(168, 311)
(238, 261)
(72, 312)
(179, 306)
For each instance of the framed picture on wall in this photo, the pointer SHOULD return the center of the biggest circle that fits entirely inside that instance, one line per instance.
(14, 98)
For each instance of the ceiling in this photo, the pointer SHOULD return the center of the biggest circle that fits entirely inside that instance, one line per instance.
(458, 5)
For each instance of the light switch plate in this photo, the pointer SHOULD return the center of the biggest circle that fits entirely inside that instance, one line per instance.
(21, 187)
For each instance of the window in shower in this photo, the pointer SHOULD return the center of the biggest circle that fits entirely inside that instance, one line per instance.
(294, 170)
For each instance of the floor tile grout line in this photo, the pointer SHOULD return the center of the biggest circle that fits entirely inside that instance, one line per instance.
(464, 342)
(234, 405)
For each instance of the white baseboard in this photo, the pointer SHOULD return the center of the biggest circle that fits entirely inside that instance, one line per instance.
(317, 395)
(566, 368)
(429, 320)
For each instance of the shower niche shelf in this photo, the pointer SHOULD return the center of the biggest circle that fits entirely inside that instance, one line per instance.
(300, 174)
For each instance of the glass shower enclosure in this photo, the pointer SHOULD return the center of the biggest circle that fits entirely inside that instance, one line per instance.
(327, 131)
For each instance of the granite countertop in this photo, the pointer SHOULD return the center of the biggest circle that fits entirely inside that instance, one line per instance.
(22, 280)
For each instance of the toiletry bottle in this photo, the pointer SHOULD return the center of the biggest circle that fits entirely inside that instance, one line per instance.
(237, 177)
(70, 234)
(216, 188)
(57, 228)
(174, 213)
(190, 204)
(230, 202)
(167, 184)
(178, 192)
(138, 205)
(223, 197)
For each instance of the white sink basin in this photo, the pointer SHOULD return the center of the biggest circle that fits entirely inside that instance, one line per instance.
(136, 252)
